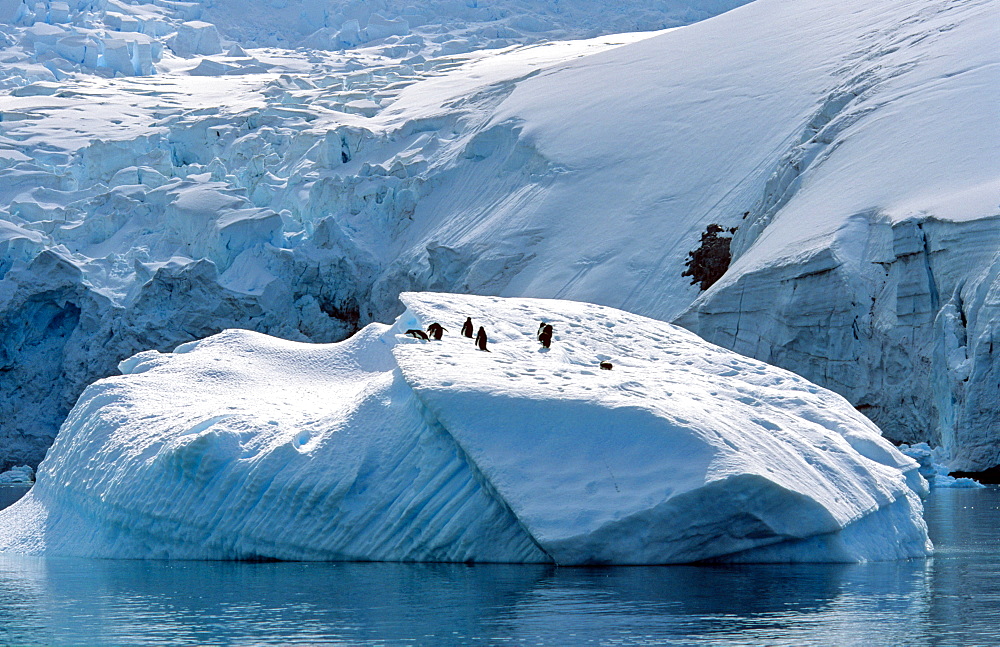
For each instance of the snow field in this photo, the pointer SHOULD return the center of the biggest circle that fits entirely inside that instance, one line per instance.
(384, 447)
(297, 192)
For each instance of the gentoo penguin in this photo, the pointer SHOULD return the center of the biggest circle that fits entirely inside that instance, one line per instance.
(545, 336)
(481, 339)
(467, 327)
(607, 366)
(436, 331)
(417, 334)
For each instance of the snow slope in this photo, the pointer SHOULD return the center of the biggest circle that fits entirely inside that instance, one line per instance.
(871, 263)
(159, 183)
(385, 447)
(298, 192)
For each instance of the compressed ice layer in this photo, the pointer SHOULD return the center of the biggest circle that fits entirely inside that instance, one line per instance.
(196, 37)
(385, 447)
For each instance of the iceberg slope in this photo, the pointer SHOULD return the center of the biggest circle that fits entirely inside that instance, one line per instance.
(384, 447)
(244, 446)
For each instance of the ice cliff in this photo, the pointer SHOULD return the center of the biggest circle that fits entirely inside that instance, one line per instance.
(431, 145)
(870, 262)
(386, 447)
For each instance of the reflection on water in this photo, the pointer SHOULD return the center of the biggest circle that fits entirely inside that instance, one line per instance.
(952, 599)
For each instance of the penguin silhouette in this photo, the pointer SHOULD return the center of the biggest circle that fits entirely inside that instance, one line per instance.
(436, 331)
(545, 336)
(467, 327)
(481, 339)
(417, 334)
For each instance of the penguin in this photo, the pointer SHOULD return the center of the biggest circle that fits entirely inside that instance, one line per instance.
(541, 327)
(467, 327)
(545, 335)
(481, 339)
(417, 334)
(607, 366)
(436, 331)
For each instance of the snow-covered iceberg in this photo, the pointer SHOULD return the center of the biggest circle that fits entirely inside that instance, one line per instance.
(298, 193)
(387, 447)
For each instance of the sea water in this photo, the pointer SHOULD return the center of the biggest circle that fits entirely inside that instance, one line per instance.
(10, 493)
(950, 599)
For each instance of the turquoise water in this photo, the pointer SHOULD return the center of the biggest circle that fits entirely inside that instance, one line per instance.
(952, 599)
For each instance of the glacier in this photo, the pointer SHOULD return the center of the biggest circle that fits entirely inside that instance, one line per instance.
(386, 447)
(172, 169)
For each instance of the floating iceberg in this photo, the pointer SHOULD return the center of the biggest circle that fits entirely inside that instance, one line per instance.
(386, 447)
(933, 467)
(19, 474)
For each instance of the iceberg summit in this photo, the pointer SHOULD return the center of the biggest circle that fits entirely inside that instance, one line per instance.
(388, 447)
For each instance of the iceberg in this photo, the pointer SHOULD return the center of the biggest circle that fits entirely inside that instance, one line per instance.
(19, 474)
(933, 467)
(389, 447)
(297, 193)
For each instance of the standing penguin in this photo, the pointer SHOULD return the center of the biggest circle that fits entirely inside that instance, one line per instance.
(481, 339)
(467, 327)
(436, 331)
(545, 335)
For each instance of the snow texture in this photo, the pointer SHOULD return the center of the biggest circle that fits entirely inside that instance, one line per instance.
(172, 169)
(386, 447)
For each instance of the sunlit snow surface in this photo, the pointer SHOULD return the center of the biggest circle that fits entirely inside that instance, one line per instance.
(385, 447)
(226, 182)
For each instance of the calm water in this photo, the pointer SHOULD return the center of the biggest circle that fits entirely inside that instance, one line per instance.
(11, 493)
(952, 599)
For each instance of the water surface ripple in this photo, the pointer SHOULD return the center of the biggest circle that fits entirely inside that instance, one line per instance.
(951, 599)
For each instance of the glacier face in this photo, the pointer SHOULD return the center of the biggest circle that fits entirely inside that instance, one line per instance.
(152, 197)
(886, 292)
(384, 447)
(912, 340)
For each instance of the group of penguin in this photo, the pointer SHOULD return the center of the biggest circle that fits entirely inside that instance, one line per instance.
(436, 331)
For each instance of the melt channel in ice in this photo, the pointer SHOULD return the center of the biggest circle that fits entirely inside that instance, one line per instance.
(386, 447)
